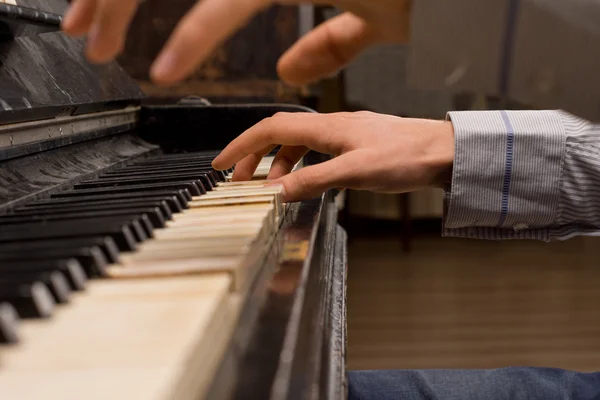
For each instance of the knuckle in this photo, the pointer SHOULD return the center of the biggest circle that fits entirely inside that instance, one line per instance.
(268, 135)
(268, 126)
(269, 121)
(279, 115)
(344, 114)
(364, 113)
(302, 182)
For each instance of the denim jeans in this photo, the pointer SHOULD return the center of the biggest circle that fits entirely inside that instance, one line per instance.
(498, 384)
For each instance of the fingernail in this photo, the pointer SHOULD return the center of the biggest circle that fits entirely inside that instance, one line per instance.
(215, 165)
(163, 66)
(278, 184)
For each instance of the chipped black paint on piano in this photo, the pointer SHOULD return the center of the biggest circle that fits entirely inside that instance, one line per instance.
(92, 178)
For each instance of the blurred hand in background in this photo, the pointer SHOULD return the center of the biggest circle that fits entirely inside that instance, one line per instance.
(319, 54)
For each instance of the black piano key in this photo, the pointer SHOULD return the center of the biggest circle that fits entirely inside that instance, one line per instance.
(202, 181)
(105, 181)
(158, 169)
(162, 160)
(219, 176)
(180, 165)
(76, 206)
(72, 245)
(204, 153)
(146, 228)
(71, 268)
(184, 190)
(9, 323)
(175, 165)
(172, 199)
(172, 158)
(162, 170)
(138, 232)
(137, 224)
(109, 248)
(204, 177)
(155, 171)
(119, 231)
(216, 177)
(152, 219)
(55, 281)
(212, 176)
(195, 187)
(91, 259)
(31, 300)
(47, 213)
(58, 285)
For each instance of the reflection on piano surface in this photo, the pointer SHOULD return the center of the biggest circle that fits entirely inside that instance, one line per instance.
(130, 269)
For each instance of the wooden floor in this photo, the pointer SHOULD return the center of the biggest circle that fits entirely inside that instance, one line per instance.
(456, 303)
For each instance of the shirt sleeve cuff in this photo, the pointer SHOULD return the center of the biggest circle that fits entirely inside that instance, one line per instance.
(506, 174)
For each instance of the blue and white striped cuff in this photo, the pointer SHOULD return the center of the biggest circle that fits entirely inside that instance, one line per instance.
(507, 169)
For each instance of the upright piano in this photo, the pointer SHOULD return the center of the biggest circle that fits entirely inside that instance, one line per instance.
(129, 268)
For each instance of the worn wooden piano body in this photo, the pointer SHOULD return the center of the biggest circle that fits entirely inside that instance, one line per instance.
(91, 174)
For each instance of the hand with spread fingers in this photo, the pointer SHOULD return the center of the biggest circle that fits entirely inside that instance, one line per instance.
(370, 151)
(321, 53)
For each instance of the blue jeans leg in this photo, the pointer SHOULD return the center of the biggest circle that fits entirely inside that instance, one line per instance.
(515, 383)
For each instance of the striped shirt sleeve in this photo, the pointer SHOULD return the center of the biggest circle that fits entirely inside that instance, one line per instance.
(523, 175)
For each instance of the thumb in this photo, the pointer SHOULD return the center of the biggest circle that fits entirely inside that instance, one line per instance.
(325, 50)
(312, 181)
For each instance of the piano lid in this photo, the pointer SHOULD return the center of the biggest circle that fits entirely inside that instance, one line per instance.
(45, 74)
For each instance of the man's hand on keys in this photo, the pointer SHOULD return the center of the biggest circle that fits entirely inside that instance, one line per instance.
(371, 151)
(319, 54)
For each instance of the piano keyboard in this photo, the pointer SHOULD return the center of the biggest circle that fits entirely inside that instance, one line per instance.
(128, 286)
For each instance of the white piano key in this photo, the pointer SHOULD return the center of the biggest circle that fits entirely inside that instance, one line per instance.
(125, 340)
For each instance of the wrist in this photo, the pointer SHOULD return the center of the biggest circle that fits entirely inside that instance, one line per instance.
(443, 151)
(444, 179)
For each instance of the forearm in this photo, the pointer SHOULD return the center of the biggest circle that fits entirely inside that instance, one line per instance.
(544, 54)
(523, 174)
